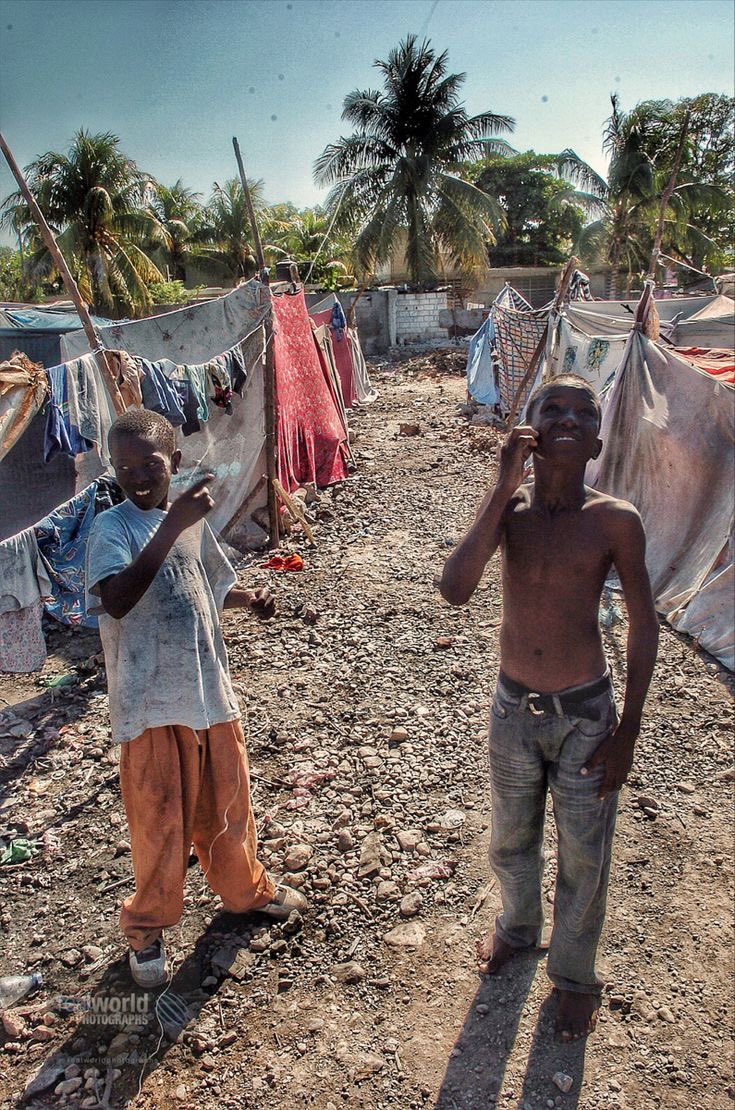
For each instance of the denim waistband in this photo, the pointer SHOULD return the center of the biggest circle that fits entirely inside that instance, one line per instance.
(569, 702)
(571, 695)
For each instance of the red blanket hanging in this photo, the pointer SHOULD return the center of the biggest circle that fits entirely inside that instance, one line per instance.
(311, 443)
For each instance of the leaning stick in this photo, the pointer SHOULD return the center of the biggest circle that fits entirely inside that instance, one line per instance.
(95, 343)
(566, 277)
(294, 508)
(271, 399)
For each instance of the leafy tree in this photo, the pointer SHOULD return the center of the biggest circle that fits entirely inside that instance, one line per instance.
(398, 176)
(544, 212)
(96, 200)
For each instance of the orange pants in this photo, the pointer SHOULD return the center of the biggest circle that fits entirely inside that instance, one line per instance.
(182, 787)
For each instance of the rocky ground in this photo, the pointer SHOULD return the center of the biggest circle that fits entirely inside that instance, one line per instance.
(365, 705)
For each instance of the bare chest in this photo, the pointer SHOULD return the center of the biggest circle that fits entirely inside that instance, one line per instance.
(555, 551)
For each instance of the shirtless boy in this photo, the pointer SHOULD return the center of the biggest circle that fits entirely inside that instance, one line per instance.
(554, 723)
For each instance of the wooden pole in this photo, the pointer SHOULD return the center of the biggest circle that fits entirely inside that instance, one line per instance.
(95, 343)
(271, 400)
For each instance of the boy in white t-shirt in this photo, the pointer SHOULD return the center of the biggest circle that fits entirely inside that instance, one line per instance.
(158, 580)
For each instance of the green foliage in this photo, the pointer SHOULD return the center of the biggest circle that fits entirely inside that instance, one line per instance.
(397, 178)
(225, 232)
(173, 292)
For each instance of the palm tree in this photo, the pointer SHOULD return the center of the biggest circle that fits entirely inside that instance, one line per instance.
(226, 229)
(399, 175)
(182, 216)
(96, 201)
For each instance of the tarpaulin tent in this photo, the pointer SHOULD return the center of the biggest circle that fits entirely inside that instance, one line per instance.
(668, 434)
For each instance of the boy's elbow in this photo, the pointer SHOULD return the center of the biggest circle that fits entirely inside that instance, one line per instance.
(453, 592)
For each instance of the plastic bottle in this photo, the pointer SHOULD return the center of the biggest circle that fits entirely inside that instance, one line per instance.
(15, 987)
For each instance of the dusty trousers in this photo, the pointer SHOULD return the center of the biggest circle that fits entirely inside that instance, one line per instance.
(538, 743)
(179, 788)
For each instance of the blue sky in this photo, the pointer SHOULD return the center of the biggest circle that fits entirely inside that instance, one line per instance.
(176, 79)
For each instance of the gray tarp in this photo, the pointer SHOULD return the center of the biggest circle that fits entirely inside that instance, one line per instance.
(668, 431)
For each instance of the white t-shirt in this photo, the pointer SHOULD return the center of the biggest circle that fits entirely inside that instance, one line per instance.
(166, 660)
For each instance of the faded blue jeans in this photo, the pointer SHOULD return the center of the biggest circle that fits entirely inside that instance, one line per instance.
(533, 750)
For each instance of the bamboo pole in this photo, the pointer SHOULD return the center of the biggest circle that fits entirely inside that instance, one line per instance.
(95, 343)
(271, 400)
(561, 293)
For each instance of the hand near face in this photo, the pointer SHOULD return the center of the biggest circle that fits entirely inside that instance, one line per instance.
(513, 455)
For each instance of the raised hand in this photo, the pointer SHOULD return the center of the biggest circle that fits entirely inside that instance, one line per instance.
(192, 505)
(513, 454)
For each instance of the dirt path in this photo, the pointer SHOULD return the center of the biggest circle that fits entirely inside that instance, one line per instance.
(375, 693)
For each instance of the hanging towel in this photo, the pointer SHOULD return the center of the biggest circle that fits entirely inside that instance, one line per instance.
(128, 377)
(62, 436)
(158, 393)
(62, 544)
(197, 376)
(338, 323)
(220, 384)
(23, 587)
(22, 644)
(23, 387)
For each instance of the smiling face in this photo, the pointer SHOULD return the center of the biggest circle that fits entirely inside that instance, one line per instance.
(143, 469)
(567, 420)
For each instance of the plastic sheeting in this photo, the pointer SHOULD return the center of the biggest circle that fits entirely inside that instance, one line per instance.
(668, 431)
(186, 335)
(480, 369)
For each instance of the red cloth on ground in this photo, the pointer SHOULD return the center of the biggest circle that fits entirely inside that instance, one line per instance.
(342, 357)
(311, 440)
(718, 361)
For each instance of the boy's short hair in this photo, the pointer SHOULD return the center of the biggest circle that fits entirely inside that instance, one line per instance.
(564, 379)
(148, 425)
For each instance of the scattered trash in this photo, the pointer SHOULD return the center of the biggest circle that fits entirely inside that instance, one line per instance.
(409, 429)
(57, 681)
(17, 850)
(284, 562)
(434, 870)
(15, 987)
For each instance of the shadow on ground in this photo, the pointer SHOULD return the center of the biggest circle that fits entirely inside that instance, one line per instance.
(124, 1033)
(475, 1078)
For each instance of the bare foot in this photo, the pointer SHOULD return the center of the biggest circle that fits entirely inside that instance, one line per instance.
(492, 954)
(577, 1014)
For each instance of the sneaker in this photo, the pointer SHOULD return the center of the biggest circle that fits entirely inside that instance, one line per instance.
(283, 903)
(148, 967)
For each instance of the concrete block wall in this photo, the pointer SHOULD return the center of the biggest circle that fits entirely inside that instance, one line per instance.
(417, 317)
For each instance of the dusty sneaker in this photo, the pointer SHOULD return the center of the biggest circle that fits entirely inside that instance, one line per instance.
(283, 903)
(148, 967)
